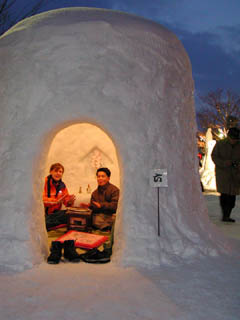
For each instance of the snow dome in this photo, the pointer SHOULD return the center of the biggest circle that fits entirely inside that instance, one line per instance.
(129, 77)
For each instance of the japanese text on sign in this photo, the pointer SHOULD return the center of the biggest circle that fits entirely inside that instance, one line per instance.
(158, 178)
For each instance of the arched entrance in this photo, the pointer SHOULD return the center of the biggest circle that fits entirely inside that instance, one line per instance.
(81, 148)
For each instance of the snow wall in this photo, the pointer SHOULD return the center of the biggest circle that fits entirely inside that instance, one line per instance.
(128, 76)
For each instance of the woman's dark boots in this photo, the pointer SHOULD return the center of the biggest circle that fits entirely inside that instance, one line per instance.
(56, 253)
(70, 252)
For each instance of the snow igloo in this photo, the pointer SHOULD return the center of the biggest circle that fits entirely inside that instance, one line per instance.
(131, 79)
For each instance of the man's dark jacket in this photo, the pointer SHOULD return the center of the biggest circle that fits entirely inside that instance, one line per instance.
(107, 196)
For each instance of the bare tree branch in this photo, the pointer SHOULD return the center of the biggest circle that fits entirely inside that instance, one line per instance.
(3, 5)
(219, 110)
(10, 14)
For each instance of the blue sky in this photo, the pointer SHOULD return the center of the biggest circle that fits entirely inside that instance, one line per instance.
(208, 29)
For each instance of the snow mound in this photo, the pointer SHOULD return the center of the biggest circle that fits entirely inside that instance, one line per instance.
(132, 78)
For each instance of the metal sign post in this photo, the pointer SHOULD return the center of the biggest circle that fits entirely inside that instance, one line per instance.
(158, 179)
(158, 213)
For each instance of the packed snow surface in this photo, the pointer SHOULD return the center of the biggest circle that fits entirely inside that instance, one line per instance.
(205, 288)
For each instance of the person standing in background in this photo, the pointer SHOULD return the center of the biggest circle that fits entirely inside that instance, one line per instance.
(226, 156)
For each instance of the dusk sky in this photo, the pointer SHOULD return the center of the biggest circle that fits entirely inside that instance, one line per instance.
(209, 31)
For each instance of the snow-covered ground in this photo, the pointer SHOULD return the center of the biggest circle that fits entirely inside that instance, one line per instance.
(201, 289)
(230, 229)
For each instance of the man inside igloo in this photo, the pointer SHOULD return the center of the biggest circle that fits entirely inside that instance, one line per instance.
(131, 77)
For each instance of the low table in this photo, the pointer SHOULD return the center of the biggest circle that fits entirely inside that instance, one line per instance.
(79, 219)
(83, 240)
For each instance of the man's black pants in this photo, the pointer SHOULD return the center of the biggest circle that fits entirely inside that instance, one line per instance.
(227, 202)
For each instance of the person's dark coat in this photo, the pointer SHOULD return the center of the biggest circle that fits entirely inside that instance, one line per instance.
(224, 154)
(107, 196)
